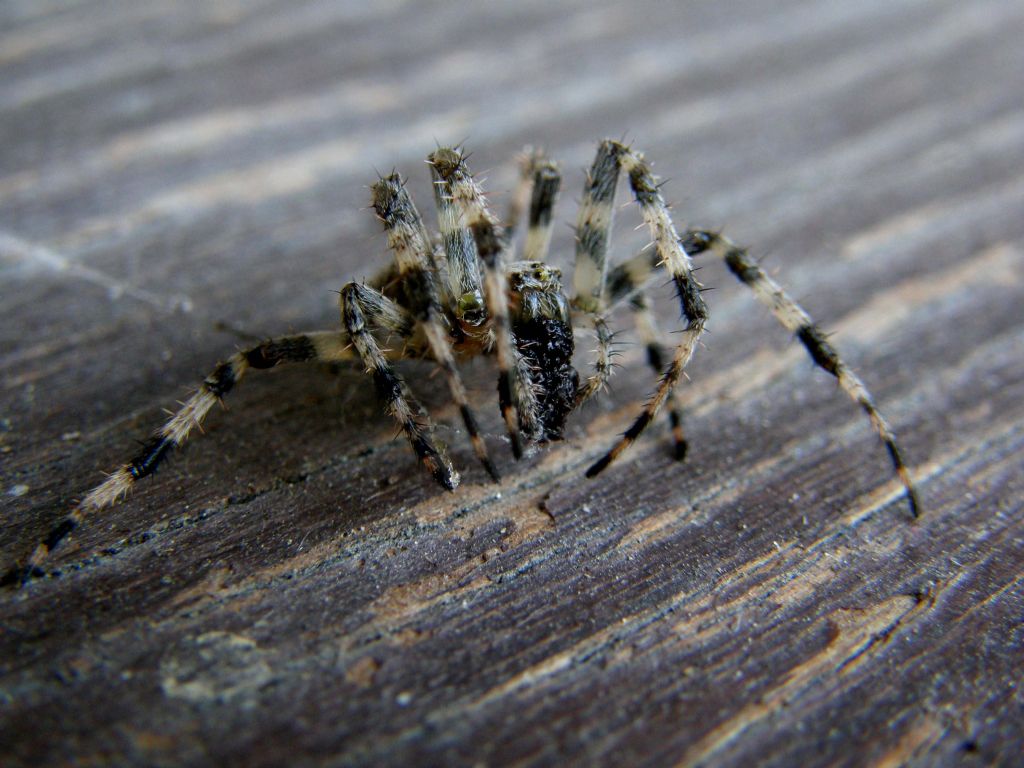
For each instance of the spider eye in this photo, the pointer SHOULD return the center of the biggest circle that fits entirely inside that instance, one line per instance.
(470, 308)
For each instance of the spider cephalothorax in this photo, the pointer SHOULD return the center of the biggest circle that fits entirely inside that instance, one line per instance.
(461, 294)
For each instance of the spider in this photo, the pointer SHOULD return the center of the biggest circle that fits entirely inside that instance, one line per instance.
(459, 294)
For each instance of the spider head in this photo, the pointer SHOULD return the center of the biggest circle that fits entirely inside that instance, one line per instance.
(536, 291)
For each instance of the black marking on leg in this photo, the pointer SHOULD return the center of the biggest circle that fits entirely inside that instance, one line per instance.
(604, 173)
(294, 349)
(630, 435)
(676, 422)
(697, 241)
(392, 203)
(20, 574)
(417, 292)
(592, 240)
(546, 182)
(388, 384)
(57, 535)
(694, 308)
(488, 242)
(507, 407)
(429, 457)
(639, 425)
(599, 466)
(221, 381)
(655, 357)
(153, 453)
(745, 270)
(904, 473)
(645, 188)
(823, 353)
(474, 433)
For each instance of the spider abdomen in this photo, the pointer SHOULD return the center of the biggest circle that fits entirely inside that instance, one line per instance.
(543, 334)
(547, 348)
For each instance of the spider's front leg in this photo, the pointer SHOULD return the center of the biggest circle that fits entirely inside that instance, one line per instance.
(419, 300)
(515, 389)
(359, 305)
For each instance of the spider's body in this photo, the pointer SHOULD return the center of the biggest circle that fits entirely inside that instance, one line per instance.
(460, 294)
(542, 329)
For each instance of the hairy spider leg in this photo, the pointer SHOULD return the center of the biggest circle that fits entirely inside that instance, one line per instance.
(627, 283)
(793, 317)
(647, 327)
(602, 361)
(324, 347)
(594, 225)
(669, 252)
(465, 284)
(515, 391)
(593, 233)
(356, 308)
(418, 294)
(528, 160)
(544, 194)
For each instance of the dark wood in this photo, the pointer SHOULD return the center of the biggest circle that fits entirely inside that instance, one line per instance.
(293, 589)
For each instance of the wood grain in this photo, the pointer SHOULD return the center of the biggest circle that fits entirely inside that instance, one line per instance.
(293, 590)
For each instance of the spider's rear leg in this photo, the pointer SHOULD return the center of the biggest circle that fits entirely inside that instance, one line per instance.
(627, 282)
(593, 230)
(324, 346)
(358, 305)
(649, 335)
(793, 317)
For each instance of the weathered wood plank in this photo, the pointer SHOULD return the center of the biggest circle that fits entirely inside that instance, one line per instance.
(292, 590)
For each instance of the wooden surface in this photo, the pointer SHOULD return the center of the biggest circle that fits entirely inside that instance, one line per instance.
(292, 588)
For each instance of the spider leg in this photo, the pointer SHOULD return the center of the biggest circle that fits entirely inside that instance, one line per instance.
(528, 160)
(591, 268)
(419, 295)
(465, 284)
(793, 317)
(593, 227)
(602, 364)
(514, 386)
(545, 185)
(323, 347)
(358, 304)
(650, 336)
(627, 282)
(593, 230)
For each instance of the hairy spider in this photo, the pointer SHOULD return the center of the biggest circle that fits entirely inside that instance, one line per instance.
(459, 296)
